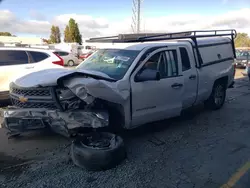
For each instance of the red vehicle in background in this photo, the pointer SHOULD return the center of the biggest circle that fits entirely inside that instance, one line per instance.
(85, 55)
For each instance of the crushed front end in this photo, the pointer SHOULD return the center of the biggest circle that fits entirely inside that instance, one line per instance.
(58, 108)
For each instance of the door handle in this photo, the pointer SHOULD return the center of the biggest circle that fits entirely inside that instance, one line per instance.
(192, 77)
(176, 85)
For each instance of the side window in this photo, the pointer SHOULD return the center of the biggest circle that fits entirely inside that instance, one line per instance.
(57, 53)
(152, 62)
(185, 59)
(172, 63)
(64, 53)
(38, 56)
(245, 54)
(13, 57)
(165, 62)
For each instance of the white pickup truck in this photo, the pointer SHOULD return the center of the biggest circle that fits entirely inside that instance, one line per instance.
(140, 79)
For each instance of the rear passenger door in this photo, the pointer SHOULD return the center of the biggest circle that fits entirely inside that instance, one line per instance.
(38, 61)
(190, 78)
(37, 57)
(13, 64)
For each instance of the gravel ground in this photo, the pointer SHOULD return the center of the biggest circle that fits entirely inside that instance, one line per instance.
(199, 149)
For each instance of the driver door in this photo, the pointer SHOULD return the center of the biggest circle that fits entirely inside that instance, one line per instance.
(155, 100)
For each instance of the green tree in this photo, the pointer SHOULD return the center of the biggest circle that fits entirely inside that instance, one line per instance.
(242, 40)
(58, 35)
(67, 37)
(5, 34)
(78, 36)
(72, 32)
(55, 36)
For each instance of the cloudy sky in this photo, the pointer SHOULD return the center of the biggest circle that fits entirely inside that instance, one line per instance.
(108, 17)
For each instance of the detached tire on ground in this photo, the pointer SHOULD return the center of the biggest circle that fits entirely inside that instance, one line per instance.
(217, 97)
(98, 151)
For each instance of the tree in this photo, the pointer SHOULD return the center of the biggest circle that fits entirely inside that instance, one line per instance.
(242, 40)
(55, 36)
(47, 41)
(78, 36)
(5, 34)
(58, 35)
(72, 32)
(67, 37)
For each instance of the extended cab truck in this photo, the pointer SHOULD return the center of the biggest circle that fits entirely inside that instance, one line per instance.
(137, 81)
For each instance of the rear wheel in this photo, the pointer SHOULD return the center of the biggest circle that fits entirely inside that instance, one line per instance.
(217, 98)
(71, 63)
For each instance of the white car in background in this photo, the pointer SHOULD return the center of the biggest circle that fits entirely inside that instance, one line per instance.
(69, 58)
(16, 62)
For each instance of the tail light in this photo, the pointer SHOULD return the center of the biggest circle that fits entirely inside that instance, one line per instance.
(88, 55)
(85, 56)
(60, 62)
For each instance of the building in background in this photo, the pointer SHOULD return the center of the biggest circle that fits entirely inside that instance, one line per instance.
(20, 41)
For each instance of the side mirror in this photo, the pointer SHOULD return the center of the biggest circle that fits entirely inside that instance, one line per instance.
(147, 75)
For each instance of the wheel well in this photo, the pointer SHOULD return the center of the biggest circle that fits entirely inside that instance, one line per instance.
(116, 115)
(223, 80)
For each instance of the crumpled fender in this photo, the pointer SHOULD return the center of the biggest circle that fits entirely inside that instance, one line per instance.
(115, 92)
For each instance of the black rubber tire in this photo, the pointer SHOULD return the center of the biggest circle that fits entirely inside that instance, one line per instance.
(69, 63)
(97, 159)
(210, 103)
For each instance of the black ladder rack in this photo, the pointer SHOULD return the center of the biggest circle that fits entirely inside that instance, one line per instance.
(150, 37)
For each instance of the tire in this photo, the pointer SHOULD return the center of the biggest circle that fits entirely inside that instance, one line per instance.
(71, 63)
(217, 98)
(98, 158)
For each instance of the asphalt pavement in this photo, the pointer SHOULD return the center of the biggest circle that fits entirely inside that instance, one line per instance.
(200, 149)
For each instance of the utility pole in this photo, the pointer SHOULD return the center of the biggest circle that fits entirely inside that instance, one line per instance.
(136, 16)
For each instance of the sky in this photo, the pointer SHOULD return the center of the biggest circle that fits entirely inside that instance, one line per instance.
(109, 17)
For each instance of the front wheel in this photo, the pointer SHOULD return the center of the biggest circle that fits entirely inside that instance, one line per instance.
(217, 98)
(97, 151)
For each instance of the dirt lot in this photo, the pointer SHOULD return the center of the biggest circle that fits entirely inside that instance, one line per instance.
(199, 149)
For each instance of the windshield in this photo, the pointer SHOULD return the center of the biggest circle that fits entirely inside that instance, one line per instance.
(242, 53)
(113, 62)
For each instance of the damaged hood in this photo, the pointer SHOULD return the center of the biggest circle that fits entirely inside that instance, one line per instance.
(49, 77)
(116, 92)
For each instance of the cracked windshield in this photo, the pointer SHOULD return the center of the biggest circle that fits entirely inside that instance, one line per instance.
(129, 93)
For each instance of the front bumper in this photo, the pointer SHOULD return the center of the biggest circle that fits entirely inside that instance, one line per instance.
(241, 64)
(65, 123)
